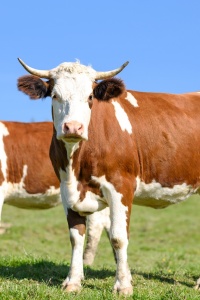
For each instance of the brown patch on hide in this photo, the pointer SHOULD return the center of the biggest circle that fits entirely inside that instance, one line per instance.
(76, 221)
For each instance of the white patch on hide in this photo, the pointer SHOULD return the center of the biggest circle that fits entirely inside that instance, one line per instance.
(155, 191)
(117, 209)
(131, 99)
(90, 204)
(3, 162)
(3, 156)
(122, 117)
(69, 187)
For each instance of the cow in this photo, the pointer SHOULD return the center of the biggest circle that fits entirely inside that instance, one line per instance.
(114, 147)
(28, 180)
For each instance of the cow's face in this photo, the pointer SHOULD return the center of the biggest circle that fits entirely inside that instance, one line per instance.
(70, 86)
(70, 93)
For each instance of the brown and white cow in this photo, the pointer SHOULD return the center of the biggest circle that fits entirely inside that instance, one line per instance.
(28, 180)
(114, 147)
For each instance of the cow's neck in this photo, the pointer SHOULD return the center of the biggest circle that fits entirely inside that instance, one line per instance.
(71, 148)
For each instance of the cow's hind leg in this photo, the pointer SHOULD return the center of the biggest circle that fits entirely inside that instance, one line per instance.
(77, 235)
(96, 222)
(95, 226)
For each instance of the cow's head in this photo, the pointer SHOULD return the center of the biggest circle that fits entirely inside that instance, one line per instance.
(70, 86)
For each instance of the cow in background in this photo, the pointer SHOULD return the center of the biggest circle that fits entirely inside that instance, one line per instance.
(114, 147)
(28, 180)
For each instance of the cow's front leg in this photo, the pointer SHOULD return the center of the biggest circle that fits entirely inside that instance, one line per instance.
(119, 240)
(120, 217)
(77, 225)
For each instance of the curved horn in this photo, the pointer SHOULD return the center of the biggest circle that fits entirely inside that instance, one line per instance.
(39, 73)
(109, 74)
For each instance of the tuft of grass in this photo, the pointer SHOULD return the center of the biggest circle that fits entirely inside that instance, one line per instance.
(163, 255)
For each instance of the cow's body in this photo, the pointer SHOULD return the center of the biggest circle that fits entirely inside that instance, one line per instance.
(27, 179)
(122, 147)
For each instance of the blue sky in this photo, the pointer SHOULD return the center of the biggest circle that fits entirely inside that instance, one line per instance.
(160, 39)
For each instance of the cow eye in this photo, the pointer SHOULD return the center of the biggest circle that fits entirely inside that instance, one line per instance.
(54, 97)
(90, 98)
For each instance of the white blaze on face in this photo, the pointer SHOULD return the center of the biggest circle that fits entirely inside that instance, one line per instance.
(72, 87)
(131, 99)
(122, 117)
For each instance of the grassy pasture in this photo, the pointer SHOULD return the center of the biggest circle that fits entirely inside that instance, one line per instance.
(164, 253)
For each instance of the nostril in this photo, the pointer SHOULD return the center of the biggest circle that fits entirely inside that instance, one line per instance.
(66, 128)
(80, 129)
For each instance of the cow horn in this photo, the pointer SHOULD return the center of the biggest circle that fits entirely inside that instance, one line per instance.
(109, 74)
(39, 73)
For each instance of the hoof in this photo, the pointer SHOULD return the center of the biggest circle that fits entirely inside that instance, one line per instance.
(197, 286)
(4, 227)
(70, 287)
(2, 230)
(87, 262)
(65, 283)
(73, 288)
(128, 291)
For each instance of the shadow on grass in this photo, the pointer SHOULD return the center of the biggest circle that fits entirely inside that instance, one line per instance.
(48, 272)
(54, 274)
(164, 278)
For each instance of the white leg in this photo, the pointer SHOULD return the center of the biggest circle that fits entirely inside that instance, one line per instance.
(95, 226)
(119, 240)
(73, 280)
(119, 215)
(77, 225)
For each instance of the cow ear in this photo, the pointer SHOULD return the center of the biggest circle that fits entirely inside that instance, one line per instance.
(34, 87)
(108, 88)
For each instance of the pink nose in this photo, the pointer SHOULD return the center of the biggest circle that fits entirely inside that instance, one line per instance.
(73, 127)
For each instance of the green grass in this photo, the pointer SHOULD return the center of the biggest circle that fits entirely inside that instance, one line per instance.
(163, 252)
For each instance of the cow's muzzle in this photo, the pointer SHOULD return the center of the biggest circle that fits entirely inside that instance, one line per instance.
(73, 128)
(72, 131)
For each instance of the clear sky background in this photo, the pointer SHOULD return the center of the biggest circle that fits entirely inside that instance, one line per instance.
(160, 39)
